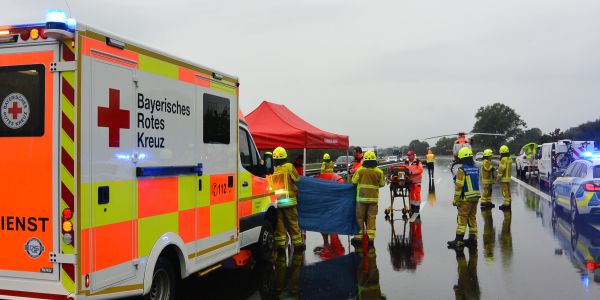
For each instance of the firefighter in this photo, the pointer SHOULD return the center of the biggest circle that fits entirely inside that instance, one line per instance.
(283, 182)
(430, 159)
(503, 176)
(327, 164)
(487, 179)
(358, 159)
(466, 196)
(368, 179)
(415, 174)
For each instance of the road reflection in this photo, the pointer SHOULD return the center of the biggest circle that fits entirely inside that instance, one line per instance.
(505, 238)
(467, 286)
(406, 244)
(489, 235)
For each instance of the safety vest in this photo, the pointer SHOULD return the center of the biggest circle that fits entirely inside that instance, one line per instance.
(486, 172)
(282, 182)
(368, 181)
(430, 158)
(327, 167)
(416, 170)
(469, 175)
(504, 170)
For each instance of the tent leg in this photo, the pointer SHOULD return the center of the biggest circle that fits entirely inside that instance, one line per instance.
(304, 163)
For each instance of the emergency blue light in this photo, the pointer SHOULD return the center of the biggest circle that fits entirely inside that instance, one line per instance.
(71, 24)
(587, 154)
(56, 16)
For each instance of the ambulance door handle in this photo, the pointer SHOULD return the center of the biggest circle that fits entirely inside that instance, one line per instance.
(245, 184)
(103, 195)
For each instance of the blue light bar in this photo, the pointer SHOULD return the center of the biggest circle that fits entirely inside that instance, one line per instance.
(56, 16)
(587, 154)
(71, 24)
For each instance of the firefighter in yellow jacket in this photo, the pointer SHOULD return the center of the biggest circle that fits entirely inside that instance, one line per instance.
(487, 179)
(283, 182)
(504, 174)
(466, 196)
(327, 164)
(368, 179)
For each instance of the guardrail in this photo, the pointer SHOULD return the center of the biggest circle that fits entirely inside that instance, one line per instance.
(313, 172)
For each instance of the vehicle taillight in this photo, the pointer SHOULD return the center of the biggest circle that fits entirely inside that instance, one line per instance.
(87, 280)
(43, 33)
(25, 34)
(4, 32)
(34, 33)
(590, 265)
(67, 213)
(591, 187)
(67, 226)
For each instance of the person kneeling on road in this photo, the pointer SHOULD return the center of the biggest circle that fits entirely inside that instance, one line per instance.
(466, 196)
(283, 182)
(487, 179)
(368, 178)
(503, 176)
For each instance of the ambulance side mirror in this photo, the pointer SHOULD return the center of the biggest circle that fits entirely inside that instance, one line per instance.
(268, 163)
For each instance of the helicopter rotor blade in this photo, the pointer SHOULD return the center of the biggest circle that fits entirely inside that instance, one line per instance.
(439, 136)
(485, 133)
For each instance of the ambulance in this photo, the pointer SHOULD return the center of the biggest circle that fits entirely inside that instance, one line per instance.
(122, 169)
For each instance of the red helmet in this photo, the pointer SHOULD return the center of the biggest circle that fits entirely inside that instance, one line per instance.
(410, 153)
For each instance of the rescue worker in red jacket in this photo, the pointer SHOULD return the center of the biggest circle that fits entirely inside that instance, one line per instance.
(415, 174)
(358, 159)
(283, 182)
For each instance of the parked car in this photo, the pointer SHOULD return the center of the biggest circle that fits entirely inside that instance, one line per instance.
(342, 163)
(553, 156)
(526, 162)
(391, 159)
(578, 189)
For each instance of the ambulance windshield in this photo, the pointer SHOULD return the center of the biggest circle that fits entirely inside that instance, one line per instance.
(22, 100)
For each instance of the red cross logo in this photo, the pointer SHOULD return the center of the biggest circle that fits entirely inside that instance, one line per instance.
(113, 117)
(15, 110)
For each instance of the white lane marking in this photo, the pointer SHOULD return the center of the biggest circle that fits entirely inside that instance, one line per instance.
(529, 187)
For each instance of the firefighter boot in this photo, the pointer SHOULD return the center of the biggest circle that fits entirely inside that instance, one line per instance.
(457, 243)
(471, 241)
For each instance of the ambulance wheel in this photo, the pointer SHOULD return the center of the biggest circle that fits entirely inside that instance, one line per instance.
(264, 247)
(163, 281)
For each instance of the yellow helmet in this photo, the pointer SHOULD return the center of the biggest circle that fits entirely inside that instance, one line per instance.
(279, 153)
(326, 156)
(370, 155)
(488, 152)
(503, 149)
(465, 152)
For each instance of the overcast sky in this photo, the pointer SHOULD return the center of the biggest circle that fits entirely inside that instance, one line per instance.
(383, 72)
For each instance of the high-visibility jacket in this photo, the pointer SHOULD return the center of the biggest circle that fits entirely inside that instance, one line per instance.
(466, 183)
(504, 170)
(416, 170)
(487, 176)
(430, 158)
(368, 181)
(283, 181)
(327, 167)
(358, 161)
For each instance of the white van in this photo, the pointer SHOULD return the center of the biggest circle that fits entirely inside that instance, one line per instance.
(554, 159)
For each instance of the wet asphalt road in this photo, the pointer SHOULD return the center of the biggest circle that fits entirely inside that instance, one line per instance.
(532, 252)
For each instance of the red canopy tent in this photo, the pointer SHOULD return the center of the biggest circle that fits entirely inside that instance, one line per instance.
(274, 125)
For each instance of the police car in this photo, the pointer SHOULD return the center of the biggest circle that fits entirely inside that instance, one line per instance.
(578, 188)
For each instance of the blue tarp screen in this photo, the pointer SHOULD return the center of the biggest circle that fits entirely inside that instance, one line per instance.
(327, 206)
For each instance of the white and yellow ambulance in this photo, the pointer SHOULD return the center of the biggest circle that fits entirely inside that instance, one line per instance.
(122, 169)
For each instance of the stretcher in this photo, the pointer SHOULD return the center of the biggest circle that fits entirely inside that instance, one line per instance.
(398, 182)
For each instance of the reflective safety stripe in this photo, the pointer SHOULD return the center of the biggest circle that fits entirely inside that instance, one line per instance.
(280, 183)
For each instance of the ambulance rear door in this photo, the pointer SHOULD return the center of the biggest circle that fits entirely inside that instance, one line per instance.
(28, 162)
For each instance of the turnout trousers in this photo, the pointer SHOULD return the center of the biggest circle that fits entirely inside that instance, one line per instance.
(506, 192)
(366, 214)
(486, 197)
(467, 212)
(287, 216)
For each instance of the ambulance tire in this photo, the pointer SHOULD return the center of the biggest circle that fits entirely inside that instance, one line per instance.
(263, 251)
(163, 281)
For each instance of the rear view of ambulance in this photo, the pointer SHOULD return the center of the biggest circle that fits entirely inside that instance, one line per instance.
(120, 167)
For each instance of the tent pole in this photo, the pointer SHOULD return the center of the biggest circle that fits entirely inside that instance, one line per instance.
(304, 162)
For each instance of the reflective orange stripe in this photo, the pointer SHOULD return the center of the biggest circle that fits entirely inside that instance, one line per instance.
(106, 237)
(187, 230)
(245, 208)
(87, 44)
(193, 77)
(157, 196)
(220, 191)
(203, 222)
